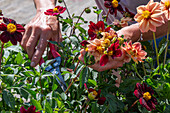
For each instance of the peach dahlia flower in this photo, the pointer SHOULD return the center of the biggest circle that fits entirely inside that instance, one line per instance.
(166, 8)
(149, 16)
(135, 51)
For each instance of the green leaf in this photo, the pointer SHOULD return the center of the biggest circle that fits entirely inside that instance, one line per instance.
(9, 98)
(36, 104)
(48, 108)
(24, 93)
(163, 47)
(63, 96)
(98, 11)
(167, 110)
(19, 59)
(83, 76)
(93, 82)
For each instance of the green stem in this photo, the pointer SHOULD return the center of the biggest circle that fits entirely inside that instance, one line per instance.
(67, 9)
(2, 46)
(167, 39)
(144, 68)
(156, 49)
(133, 104)
(138, 73)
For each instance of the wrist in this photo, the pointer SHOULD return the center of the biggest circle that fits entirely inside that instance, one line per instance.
(43, 5)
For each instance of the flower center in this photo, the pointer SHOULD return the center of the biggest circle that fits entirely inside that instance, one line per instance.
(109, 53)
(100, 49)
(92, 95)
(115, 3)
(147, 96)
(146, 14)
(11, 28)
(106, 43)
(167, 4)
(55, 10)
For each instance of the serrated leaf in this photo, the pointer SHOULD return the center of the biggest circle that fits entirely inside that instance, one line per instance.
(9, 99)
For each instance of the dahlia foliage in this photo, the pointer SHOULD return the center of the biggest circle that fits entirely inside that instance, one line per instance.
(94, 69)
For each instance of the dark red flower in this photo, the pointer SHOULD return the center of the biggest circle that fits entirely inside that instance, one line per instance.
(96, 29)
(56, 11)
(113, 6)
(145, 95)
(31, 109)
(84, 43)
(112, 51)
(95, 95)
(11, 31)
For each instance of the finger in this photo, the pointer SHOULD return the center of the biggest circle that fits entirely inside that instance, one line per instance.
(26, 36)
(40, 49)
(32, 41)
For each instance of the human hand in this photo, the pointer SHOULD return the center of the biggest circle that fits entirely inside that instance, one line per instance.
(112, 63)
(40, 29)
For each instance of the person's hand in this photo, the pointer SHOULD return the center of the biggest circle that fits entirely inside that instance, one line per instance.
(112, 63)
(38, 31)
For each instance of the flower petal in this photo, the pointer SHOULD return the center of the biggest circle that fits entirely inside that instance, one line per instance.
(31, 109)
(20, 28)
(101, 100)
(144, 104)
(103, 60)
(5, 37)
(3, 27)
(23, 110)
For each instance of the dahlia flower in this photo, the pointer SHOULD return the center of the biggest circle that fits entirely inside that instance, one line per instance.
(150, 16)
(135, 51)
(11, 31)
(56, 11)
(113, 6)
(31, 109)
(145, 95)
(95, 95)
(96, 29)
(112, 51)
(166, 8)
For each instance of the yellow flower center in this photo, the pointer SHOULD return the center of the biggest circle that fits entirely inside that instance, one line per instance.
(146, 14)
(100, 49)
(55, 10)
(92, 95)
(167, 4)
(106, 43)
(108, 53)
(147, 96)
(86, 49)
(115, 3)
(11, 28)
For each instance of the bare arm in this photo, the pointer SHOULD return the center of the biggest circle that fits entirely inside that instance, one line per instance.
(133, 32)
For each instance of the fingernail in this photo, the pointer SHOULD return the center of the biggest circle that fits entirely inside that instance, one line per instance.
(32, 64)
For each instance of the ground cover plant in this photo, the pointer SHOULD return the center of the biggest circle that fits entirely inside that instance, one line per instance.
(139, 84)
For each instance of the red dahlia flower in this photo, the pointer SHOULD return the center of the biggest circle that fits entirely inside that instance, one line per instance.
(56, 11)
(31, 109)
(96, 29)
(113, 6)
(95, 95)
(145, 95)
(112, 51)
(11, 31)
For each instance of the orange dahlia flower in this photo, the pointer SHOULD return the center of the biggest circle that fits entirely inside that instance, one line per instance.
(166, 8)
(135, 51)
(149, 16)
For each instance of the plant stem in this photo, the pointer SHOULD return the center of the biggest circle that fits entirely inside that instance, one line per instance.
(167, 39)
(156, 49)
(138, 73)
(66, 8)
(132, 105)
(144, 68)
(107, 15)
(73, 81)
(2, 46)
